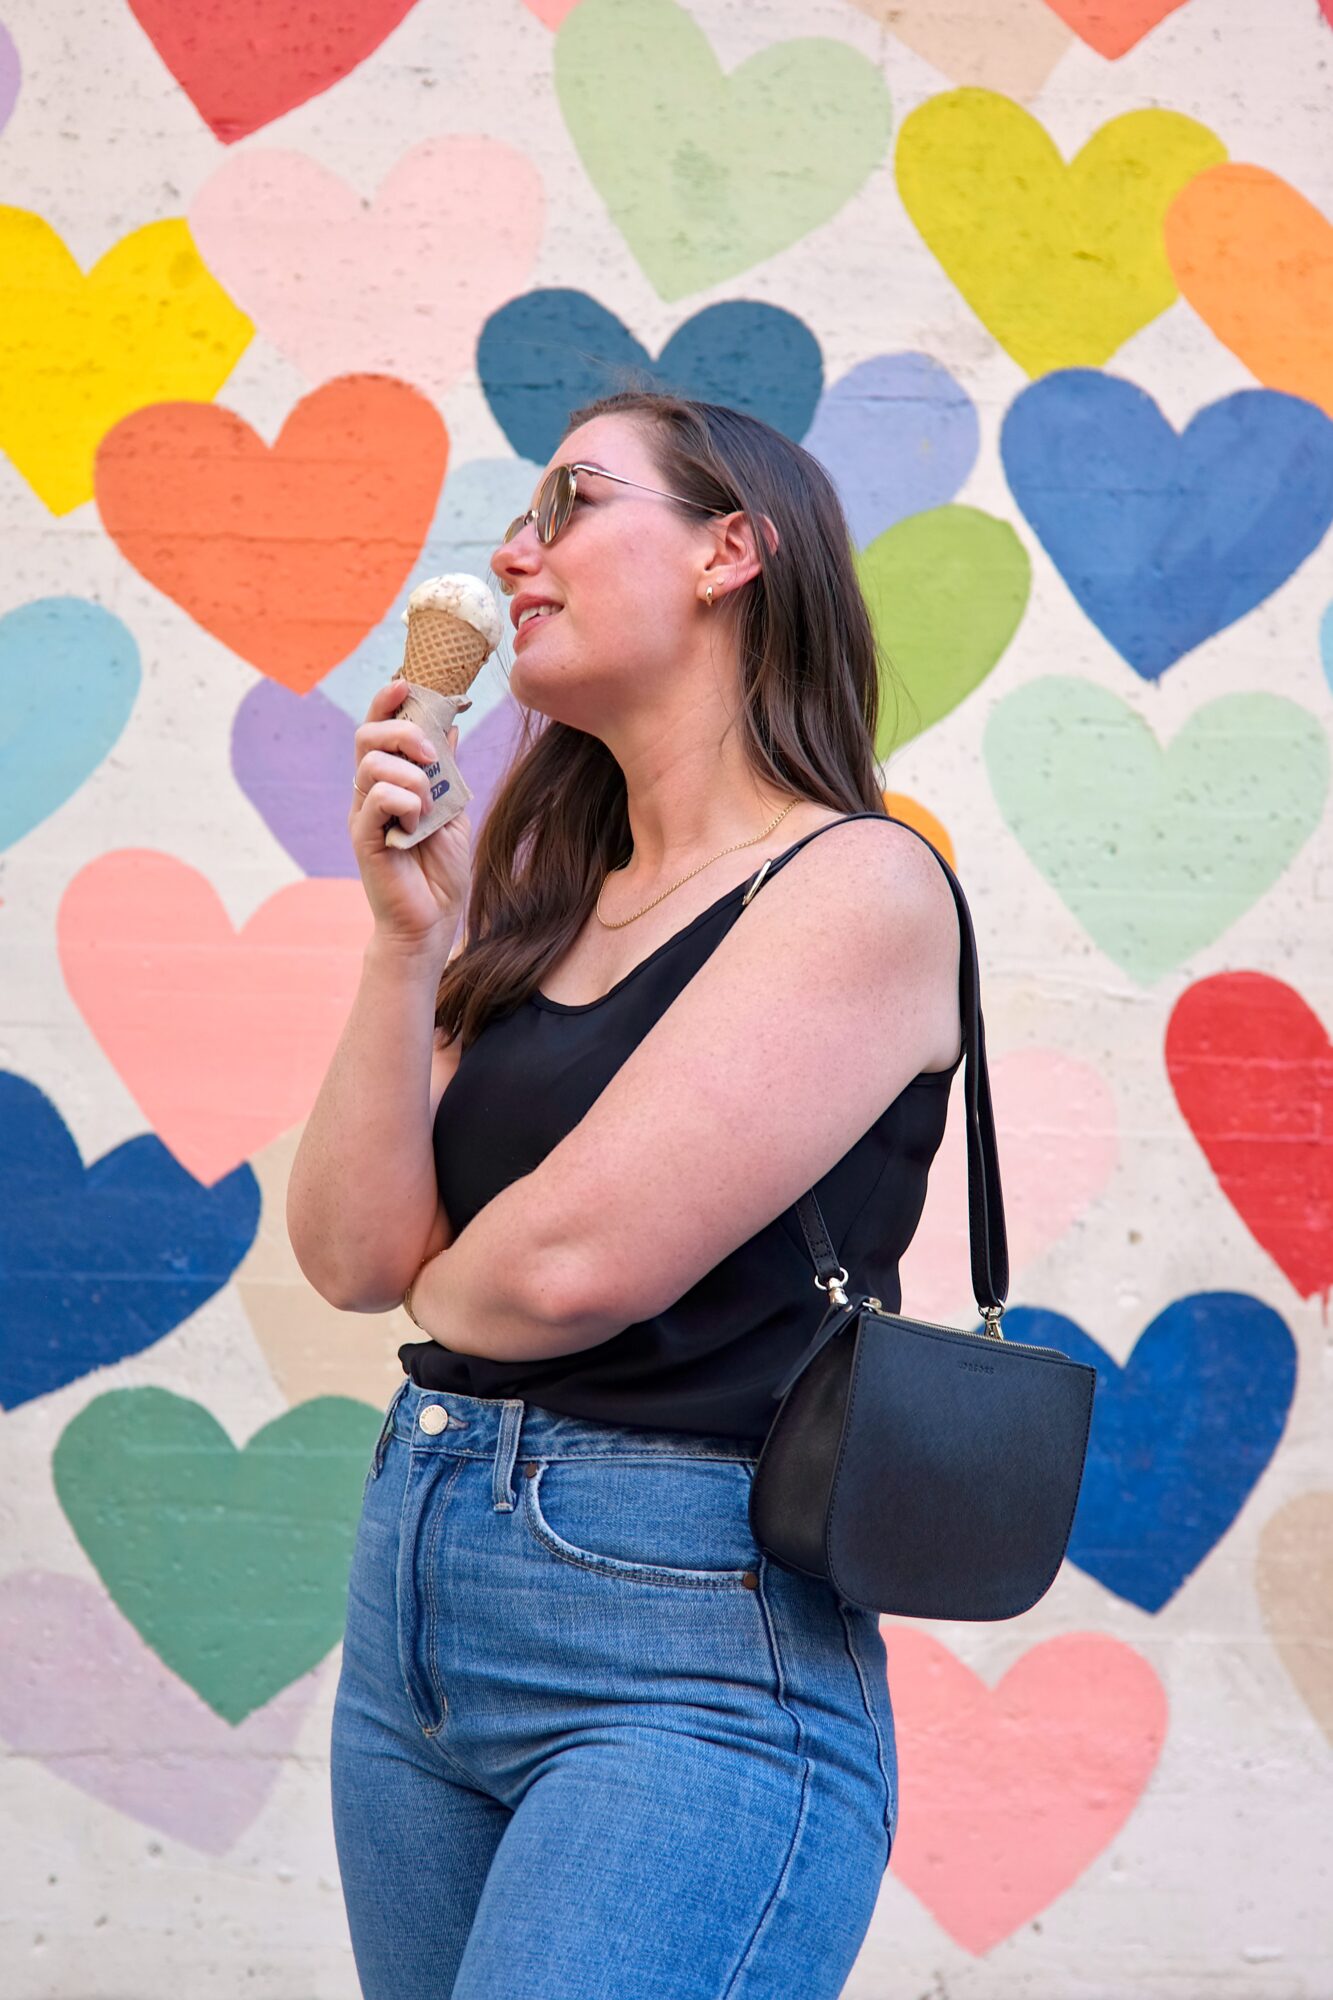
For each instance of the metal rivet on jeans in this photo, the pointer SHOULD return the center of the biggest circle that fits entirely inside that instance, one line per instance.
(750, 1580)
(530, 1469)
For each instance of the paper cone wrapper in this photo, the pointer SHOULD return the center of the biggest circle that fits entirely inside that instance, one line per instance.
(434, 712)
(442, 651)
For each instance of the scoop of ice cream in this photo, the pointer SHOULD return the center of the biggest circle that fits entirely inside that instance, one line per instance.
(461, 596)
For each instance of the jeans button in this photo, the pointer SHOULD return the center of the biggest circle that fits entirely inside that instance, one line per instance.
(433, 1418)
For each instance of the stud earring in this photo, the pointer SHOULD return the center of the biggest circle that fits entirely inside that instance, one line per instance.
(708, 597)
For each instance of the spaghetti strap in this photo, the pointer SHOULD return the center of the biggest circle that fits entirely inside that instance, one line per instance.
(770, 867)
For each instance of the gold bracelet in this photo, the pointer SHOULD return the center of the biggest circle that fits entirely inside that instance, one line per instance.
(407, 1305)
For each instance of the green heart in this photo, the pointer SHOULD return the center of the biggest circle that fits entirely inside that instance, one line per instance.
(232, 1565)
(1156, 851)
(706, 174)
(947, 590)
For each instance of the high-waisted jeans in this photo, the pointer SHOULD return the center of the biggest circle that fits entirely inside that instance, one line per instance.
(589, 1742)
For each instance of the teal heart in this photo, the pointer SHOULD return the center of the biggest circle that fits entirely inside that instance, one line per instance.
(947, 590)
(1156, 850)
(231, 1564)
(69, 673)
(705, 174)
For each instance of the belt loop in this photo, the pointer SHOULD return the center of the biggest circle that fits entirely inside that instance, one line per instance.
(506, 1451)
(386, 1431)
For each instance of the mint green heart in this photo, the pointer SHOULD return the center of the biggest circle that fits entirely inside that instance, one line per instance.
(705, 174)
(232, 1565)
(947, 590)
(1155, 850)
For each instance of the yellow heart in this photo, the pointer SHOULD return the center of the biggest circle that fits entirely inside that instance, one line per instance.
(1062, 263)
(148, 324)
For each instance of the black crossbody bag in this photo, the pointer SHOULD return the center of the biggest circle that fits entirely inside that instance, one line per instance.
(923, 1470)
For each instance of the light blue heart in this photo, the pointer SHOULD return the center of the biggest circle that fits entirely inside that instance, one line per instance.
(897, 436)
(480, 499)
(69, 673)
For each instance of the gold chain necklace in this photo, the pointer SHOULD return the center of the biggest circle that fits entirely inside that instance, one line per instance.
(684, 878)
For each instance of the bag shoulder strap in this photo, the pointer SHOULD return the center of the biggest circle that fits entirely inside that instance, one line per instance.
(985, 1202)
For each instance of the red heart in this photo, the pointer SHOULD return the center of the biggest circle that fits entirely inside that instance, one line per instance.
(1008, 1794)
(1252, 1069)
(243, 63)
(1112, 27)
(291, 555)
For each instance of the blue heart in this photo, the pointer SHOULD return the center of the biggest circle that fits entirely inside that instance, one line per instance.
(69, 673)
(479, 501)
(545, 354)
(897, 436)
(1179, 1436)
(97, 1263)
(1165, 539)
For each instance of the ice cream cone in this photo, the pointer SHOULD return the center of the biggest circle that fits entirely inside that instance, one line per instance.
(453, 627)
(443, 652)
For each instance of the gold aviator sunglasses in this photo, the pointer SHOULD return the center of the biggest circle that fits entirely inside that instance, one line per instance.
(558, 491)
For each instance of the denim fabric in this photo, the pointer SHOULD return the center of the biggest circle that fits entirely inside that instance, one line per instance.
(588, 1742)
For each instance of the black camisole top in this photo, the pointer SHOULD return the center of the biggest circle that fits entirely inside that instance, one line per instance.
(710, 1362)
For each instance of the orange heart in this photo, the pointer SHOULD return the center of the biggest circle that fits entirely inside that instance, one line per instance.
(1112, 27)
(1255, 260)
(1008, 1794)
(222, 1037)
(289, 555)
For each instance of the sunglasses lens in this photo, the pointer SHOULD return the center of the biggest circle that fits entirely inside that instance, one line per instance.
(555, 502)
(516, 527)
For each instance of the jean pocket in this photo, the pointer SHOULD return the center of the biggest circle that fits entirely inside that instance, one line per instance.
(666, 1520)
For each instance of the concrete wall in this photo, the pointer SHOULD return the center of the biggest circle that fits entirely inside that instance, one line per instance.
(1049, 289)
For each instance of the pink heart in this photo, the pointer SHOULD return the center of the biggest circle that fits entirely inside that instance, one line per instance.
(551, 12)
(222, 1036)
(1008, 1794)
(1006, 45)
(83, 1694)
(1055, 1128)
(399, 285)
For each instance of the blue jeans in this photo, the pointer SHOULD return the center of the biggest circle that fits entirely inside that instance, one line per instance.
(588, 1742)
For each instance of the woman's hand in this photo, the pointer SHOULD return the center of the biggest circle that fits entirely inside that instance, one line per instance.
(417, 894)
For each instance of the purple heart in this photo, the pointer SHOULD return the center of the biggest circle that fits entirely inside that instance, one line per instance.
(293, 755)
(897, 435)
(9, 76)
(83, 1694)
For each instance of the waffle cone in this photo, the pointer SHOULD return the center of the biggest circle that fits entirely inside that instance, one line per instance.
(442, 652)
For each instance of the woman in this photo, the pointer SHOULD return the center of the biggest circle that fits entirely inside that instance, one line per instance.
(589, 1740)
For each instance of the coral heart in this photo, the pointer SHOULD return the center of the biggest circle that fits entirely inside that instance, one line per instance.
(1294, 1577)
(1062, 263)
(1255, 260)
(1056, 1123)
(242, 63)
(1165, 539)
(543, 355)
(1156, 850)
(1008, 1794)
(946, 592)
(132, 1733)
(99, 1262)
(1112, 27)
(398, 285)
(203, 1545)
(89, 661)
(1252, 1069)
(1006, 45)
(221, 1036)
(253, 543)
(1180, 1434)
(706, 174)
(78, 353)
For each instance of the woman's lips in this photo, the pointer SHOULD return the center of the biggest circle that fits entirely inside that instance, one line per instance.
(542, 618)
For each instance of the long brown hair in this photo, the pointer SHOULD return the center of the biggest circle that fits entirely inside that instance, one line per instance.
(809, 705)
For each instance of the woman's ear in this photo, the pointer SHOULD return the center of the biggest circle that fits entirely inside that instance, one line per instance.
(735, 558)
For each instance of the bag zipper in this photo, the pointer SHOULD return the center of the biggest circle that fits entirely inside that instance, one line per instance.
(1027, 1346)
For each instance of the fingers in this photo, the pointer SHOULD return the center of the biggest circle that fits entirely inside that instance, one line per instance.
(385, 801)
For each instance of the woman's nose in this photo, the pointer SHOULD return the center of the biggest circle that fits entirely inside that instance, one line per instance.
(512, 560)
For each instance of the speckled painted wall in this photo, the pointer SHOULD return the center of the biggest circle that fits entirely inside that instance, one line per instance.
(293, 299)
